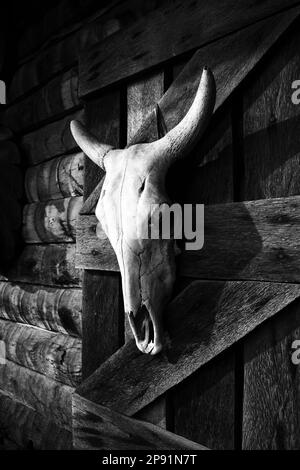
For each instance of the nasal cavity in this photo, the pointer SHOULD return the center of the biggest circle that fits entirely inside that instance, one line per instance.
(142, 324)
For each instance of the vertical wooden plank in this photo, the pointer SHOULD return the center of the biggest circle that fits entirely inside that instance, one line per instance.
(271, 161)
(142, 96)
(102, 317)
(204, 405)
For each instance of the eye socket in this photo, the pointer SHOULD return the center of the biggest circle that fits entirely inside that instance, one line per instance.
(141, 189)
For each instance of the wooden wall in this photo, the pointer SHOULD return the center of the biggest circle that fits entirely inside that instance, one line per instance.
(50, 345)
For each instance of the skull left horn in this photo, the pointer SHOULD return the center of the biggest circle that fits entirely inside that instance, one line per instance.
(134, 181)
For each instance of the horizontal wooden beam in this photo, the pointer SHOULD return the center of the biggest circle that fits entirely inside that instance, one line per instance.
(231, 59)
(258, 240)
(172, 29)
(204, 320)
(98, 428)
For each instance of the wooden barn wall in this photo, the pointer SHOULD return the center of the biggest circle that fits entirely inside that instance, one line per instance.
(50, 345)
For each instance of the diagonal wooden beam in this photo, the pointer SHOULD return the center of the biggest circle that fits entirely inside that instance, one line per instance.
(204, 320)
(173, 28)
(96, 427)
(231, 59)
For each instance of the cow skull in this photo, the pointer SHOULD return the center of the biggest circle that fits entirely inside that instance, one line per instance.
(134, 181)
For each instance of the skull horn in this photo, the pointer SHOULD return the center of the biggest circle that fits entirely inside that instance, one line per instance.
(179, 141)
(89, 144)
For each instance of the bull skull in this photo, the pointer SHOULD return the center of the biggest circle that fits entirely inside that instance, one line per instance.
(134, 181)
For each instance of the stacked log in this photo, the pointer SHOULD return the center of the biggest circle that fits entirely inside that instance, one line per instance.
(58, 178)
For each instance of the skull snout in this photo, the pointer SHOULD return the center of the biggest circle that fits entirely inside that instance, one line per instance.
(146, 331)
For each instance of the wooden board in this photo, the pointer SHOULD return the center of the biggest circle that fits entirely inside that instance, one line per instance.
(142, 96)
(58, 57)
(50, 141)
(209, 395)
(49, 102)
(247, 240)
(203, 321)
(231, 60)
(55, 179)
(52, 221)
(169, 31)
(51, 265)
(49, 398)
(103, 318)
(28, 429)
(54, 355)
(97, 427)
(45, 307)
(271, 162)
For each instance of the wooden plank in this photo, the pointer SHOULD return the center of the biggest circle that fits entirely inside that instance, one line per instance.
(51, 265)
(50, 141)
(209, 395)
(271, 122)
(231, 59)
(203, 321)
(51, 399)
(174, 28)
(271, 390)
(30, 430)
(247, 240)
(103, 318)
(52, 221)
(271, 398)
(54, 355)
(142, 95)
(45, 307)
(204, 404)
(42, 67)
(96, 427)
(55, 179)
(49, 102)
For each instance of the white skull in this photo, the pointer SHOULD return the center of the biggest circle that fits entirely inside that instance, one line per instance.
(134, 182)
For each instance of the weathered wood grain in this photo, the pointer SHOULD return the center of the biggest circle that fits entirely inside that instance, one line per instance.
(271, 404)
(103, 317)
(55, 179)
(54, 355)
(56, 58)
(271, 163)
(52, 100)
(52, 221)
(203, 321)
(50, 141)
(97, 427)
(174, 28)
(209, 395)
(247, 240)
(204, 404)
(51, 265)
(231, 59)
(51, 399)
(28, 429)
(45, 307)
